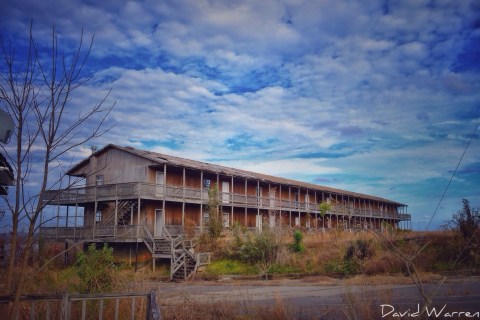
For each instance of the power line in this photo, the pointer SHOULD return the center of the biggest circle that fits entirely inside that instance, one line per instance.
(451, 178)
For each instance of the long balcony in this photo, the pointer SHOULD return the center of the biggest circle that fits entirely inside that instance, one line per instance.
(141, 190)
(126, 233)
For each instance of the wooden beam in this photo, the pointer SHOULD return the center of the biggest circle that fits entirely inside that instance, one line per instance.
(201, 200)
(231, 202)
(183, 197)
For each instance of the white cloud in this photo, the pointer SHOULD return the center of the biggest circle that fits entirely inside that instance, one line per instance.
(262, 84)
(285, 168)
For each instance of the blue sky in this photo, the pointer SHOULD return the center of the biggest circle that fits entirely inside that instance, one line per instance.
(377, 97)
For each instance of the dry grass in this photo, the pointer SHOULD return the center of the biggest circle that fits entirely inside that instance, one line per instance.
(393, 279)
(186, 307)
(321, 248)
(325, 250)
(364, 302)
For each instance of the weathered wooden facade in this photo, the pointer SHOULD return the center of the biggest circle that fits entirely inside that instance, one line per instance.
(132, 195)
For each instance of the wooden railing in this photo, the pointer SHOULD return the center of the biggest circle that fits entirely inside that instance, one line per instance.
(86, 306)
(92, 232)
(143, 190)
(203, 258)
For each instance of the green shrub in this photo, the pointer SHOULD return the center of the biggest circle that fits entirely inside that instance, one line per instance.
(297, 245)
(95, 269)
(214, 223)
(259, 248)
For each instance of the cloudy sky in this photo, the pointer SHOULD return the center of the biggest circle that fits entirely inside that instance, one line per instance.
(377, 97)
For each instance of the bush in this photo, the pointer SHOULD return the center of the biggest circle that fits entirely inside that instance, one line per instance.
(259, 248)
(214, 223)
(95, 269)
(360, 250)
(297, 245)
(467, 220)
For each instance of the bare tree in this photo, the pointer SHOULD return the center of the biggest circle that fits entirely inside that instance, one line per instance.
(37, 91)
(407, 261)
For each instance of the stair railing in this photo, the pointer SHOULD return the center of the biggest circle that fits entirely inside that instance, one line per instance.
(177, 263)
(147, 239)
(194, 258)
(167, 234)
(108, 217)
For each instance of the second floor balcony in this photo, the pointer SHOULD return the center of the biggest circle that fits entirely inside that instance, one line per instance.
(149, 191)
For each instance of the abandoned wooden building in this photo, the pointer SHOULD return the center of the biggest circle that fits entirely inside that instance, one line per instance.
(133, 196)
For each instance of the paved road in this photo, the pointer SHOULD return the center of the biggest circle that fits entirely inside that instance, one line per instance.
(318, 297)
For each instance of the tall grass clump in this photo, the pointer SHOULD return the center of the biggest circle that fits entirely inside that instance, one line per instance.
(365, 302)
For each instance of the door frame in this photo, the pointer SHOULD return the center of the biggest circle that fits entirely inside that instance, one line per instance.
(159, 223)
(225, 192)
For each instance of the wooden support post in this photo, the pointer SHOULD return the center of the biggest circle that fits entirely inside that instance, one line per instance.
(201, 201)
(58, 216)
(259, 199)
(94, 217)
(115, 219)
(131, 215)
(165, 183)
(138, 218)
(246, 219)
(75, 222)
(183, 213)
(246, 202)
(290, 206)
(136, 255)
(183, 198)
(231, 202)
(66, 220)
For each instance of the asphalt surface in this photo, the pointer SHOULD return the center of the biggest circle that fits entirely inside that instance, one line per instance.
(314, 298)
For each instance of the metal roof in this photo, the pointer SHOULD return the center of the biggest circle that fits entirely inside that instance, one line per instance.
(219, 169)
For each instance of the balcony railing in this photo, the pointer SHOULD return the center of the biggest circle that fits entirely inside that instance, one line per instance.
(141, 190)
(93, 232)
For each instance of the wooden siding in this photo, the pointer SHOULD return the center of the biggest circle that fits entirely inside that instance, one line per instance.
(173, 213)
(192, 214)
(174, 176)
(192, 179)
(150, 217)
(239, 186)
(239, 216)
(251, 218)
(116, 166)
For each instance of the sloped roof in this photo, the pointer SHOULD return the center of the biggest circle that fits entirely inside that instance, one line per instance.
(219, 169)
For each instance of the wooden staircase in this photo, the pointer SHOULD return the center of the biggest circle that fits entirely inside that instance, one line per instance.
(186, 268)
(183, 261)
(123, 213)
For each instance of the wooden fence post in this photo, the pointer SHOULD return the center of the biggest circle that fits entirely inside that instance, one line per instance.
(64, 310)
(153, 311)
